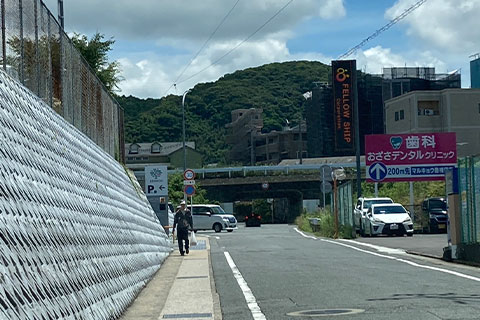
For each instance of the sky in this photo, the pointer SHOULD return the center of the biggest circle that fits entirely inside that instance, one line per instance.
(155, 40)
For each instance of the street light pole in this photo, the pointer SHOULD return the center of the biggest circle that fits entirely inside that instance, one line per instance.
(183, 128)
(301, 140)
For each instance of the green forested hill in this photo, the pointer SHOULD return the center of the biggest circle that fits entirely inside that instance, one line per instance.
(276, 87)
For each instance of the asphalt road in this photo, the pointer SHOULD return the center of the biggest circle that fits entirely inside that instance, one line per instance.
(428, 244)
(287, 272)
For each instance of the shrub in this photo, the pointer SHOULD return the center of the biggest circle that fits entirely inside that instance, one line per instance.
(327, 225)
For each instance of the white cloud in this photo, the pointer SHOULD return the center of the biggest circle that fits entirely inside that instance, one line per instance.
(332, 9)
(444, 25)
(153, 76)
(181, 26)
(376, 58)
(188, 19)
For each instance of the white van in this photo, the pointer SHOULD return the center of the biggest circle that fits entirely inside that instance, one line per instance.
(212, 217)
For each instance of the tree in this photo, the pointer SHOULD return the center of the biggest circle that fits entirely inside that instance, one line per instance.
(95, 51)
(175, 190)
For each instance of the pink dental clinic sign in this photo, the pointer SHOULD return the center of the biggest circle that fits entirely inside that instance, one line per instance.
(409, 157)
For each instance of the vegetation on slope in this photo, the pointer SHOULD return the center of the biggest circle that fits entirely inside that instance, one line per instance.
(277, 88)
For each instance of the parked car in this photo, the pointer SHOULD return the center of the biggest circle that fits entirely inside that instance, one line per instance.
(361, 208)
(212, 217)
(253, 220)
(434, 212)
(388, 218)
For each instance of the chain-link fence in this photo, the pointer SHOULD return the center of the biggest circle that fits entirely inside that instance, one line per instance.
(38, 53)
(469, 189)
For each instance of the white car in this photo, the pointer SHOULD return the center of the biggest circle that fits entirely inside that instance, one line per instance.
(212, 217)
(361, 208)
(388, 218)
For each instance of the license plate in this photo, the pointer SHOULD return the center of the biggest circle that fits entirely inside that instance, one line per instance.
(394, 227)
(441, 226)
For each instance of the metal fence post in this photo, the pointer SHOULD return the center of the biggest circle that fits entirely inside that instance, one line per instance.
(37, 50)
(4, 44)
(22, 49)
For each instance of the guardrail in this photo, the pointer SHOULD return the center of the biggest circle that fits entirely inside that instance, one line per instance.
(265, 169)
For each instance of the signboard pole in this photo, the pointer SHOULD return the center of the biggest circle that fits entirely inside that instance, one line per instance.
(376, 189)
(323, 185)
(412, 200)
(357, 131)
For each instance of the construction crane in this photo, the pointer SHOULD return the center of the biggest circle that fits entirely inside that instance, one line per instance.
(382, 29)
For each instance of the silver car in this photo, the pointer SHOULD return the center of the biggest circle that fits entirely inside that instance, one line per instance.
(361, 208)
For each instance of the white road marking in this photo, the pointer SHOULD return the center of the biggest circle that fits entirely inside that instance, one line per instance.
(218, 238)
(378, 248)
(304, 235)
(247, 293)
(414, 264)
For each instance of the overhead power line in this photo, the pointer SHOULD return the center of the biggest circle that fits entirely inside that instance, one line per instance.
(203, 46)
(239, 44)
(382, 29)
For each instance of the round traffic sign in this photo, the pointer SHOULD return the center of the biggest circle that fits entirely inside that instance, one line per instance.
(325, 187)
(189, 190)
(189, 174)
(326, 173)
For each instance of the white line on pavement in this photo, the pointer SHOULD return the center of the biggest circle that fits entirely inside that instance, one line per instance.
(218, 238)
(378, 248)
(247, 293)
(414, 264)
(304, 235)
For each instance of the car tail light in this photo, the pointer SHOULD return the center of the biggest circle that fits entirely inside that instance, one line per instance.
(246, 217)
(259, 217)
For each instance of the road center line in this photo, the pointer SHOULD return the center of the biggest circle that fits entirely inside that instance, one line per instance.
(247, 293)
(414, 264)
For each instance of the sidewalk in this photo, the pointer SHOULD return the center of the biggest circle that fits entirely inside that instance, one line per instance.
(183, 288)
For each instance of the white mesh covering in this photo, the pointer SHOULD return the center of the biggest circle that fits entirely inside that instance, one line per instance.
(77, 241)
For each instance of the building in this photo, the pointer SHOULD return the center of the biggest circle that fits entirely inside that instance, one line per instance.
(275, 146)
(138, 155)
(245, 125)
(448, 110)
(475, 72)
(250, 146)
(373, 91)
(319, 115)
(398, 81)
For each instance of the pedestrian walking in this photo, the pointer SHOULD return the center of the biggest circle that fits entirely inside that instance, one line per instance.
(182, 223)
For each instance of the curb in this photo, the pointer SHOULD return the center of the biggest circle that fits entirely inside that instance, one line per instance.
(463, 262)
(425, 255)
(217, 310)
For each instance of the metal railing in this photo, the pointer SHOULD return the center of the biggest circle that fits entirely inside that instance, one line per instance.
(266, 170)
(38, 53)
